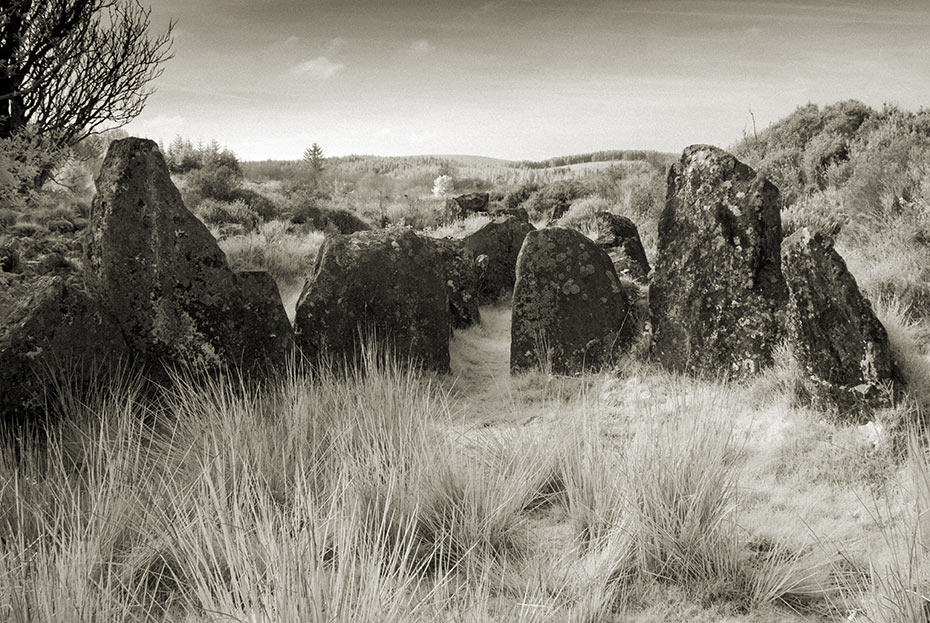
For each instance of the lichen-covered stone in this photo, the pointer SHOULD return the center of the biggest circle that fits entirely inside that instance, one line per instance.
(619, 237)
(158, 270)
(264, 330)
(717, 294)
(58, 335)
(500, 240)
(569, 310)
(460, 273)
(839, 344)
(382, 284)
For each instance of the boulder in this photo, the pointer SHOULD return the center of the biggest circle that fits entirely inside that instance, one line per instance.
(717, 294)
(59, 335)
(264, 330)
(518, 213)
(159, 271)
(839, 344)
(463, 205)
(384, 285)
(460, 272)
(619, 237)
(569, 310)
(500, 240)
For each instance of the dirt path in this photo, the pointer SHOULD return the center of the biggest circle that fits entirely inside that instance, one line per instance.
(480, 355)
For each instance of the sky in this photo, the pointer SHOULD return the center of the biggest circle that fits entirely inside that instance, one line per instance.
(520, 79)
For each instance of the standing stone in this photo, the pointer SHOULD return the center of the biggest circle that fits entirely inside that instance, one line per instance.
(840, 345)
(619, 237)
(383, 284)
(568, 307)
(500, 240)
(460, 273)
(59, 335)
(160, 273)
(263, 327)
(717, 295)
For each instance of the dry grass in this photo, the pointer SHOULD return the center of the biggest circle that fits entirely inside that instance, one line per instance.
(386, 495)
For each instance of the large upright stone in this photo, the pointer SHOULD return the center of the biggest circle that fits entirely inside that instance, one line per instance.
(159, 271)
(717, 295)
(619, 237)
(263, 327)
(500, 240)
(840, 345)
(569, 310)
(460, 275)
(384, 285)
(57, 336)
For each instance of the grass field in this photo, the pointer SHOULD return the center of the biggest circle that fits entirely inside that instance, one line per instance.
(390, 496)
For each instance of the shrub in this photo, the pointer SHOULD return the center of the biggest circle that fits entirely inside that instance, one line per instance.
(342, 221)
(553, 199)
(213, 212)
(580, 214)
(515, 198)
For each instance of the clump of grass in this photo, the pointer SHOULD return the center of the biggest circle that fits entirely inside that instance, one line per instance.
(899, 591)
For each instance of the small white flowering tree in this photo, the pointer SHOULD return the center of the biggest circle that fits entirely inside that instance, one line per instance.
(442, 187)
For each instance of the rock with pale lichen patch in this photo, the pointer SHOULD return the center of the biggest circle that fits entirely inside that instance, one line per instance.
(569, 310)
(839, 344)
(376, 285)
(717, 294)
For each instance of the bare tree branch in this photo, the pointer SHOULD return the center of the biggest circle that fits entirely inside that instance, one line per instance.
(70, 67)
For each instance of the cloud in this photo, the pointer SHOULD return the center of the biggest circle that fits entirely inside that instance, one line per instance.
(421, 47)
(319, 67)
(293, 39)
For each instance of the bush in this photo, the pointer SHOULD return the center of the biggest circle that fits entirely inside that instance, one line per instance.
(580, 214)
(554, 199)
(213, 212)
(214, 182)
(515, 198)
(342, 221)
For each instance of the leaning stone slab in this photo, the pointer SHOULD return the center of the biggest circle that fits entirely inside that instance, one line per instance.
(840, 345)
(384, 285)
(717, 294)
(569, 311)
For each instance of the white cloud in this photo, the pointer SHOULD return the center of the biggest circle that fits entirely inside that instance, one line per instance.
(319, 67)
(336, 45)
(421, 47)
(293, 39)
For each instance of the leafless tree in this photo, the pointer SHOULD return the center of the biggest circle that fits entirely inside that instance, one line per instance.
(72, 68)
